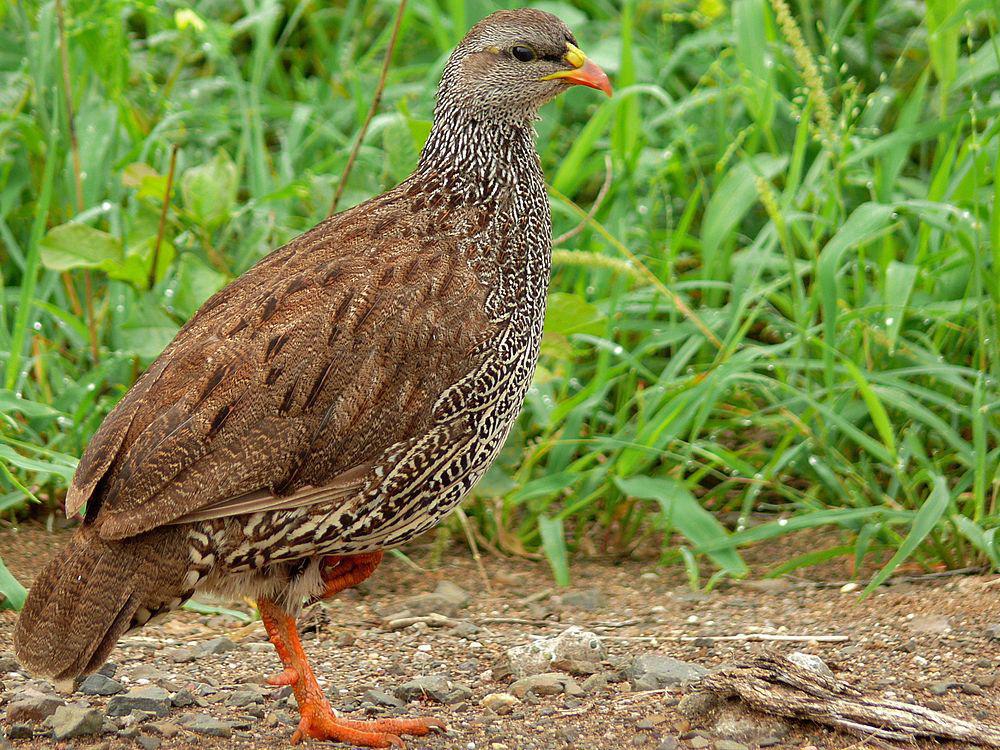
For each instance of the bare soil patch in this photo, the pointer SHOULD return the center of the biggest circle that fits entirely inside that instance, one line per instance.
(932, 642)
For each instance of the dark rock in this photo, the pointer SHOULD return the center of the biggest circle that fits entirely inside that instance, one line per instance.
(75, 721)
(32, 707)
(437, 688)
(940, 688)
(8, 664)
(148, 698)
(588, 600)
(382, 698)
(970, 688)
(244, 697)
(148, 743)
(99, 684)
(992, 632)
(550, 683)
(108, 669)
(20, 732)
(207, 725)
(183, 698)
(216, 646)
(657, 671)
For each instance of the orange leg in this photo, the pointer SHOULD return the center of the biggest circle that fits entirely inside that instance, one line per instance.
(317, 718)
(341, 573)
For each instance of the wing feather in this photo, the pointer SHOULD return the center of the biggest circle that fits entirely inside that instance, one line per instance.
(288, 385)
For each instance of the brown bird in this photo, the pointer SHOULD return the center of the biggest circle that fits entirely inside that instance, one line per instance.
(336, 400)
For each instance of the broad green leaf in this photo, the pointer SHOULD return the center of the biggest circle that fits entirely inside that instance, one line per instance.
(146, 332)
(76, 245)
(566, 314)
(682, 511)
(209, 190)
(150, 183)
(196, 282)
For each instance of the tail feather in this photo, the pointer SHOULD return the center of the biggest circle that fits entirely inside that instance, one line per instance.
(92, 593)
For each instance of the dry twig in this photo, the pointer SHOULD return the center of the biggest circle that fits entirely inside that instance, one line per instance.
(601, 195)
(775, 685)
(767, 637)
(77, 177)
(372, 110)
(163, 216)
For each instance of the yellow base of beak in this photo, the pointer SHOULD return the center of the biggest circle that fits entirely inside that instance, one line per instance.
(584, 73)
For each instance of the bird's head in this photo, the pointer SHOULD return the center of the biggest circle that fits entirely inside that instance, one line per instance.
(514, 61)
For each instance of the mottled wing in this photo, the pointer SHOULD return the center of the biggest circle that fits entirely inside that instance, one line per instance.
(288, 384)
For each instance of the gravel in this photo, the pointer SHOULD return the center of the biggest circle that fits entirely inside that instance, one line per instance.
(604, 701)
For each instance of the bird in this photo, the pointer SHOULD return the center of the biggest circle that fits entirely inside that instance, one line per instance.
(333, 402)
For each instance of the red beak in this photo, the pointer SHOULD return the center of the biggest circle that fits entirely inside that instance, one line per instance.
(584, 72)
(590, 75)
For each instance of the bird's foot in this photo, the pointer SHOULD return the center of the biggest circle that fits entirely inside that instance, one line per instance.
(319, 723)
(287, 676)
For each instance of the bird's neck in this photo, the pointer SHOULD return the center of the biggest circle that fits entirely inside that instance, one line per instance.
(490, 155)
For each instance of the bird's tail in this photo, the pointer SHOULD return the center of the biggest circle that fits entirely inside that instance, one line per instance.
(93, 592)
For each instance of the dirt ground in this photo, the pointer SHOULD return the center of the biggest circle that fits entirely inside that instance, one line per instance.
(932, 642)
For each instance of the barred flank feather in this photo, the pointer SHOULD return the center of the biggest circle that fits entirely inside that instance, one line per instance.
(91, 593)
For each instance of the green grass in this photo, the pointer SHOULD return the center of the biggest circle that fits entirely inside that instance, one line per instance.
(782, 316)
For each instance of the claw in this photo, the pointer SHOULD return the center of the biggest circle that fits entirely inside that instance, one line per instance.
(288, 676)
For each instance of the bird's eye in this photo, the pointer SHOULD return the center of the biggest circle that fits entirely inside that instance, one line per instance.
(524, 54)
